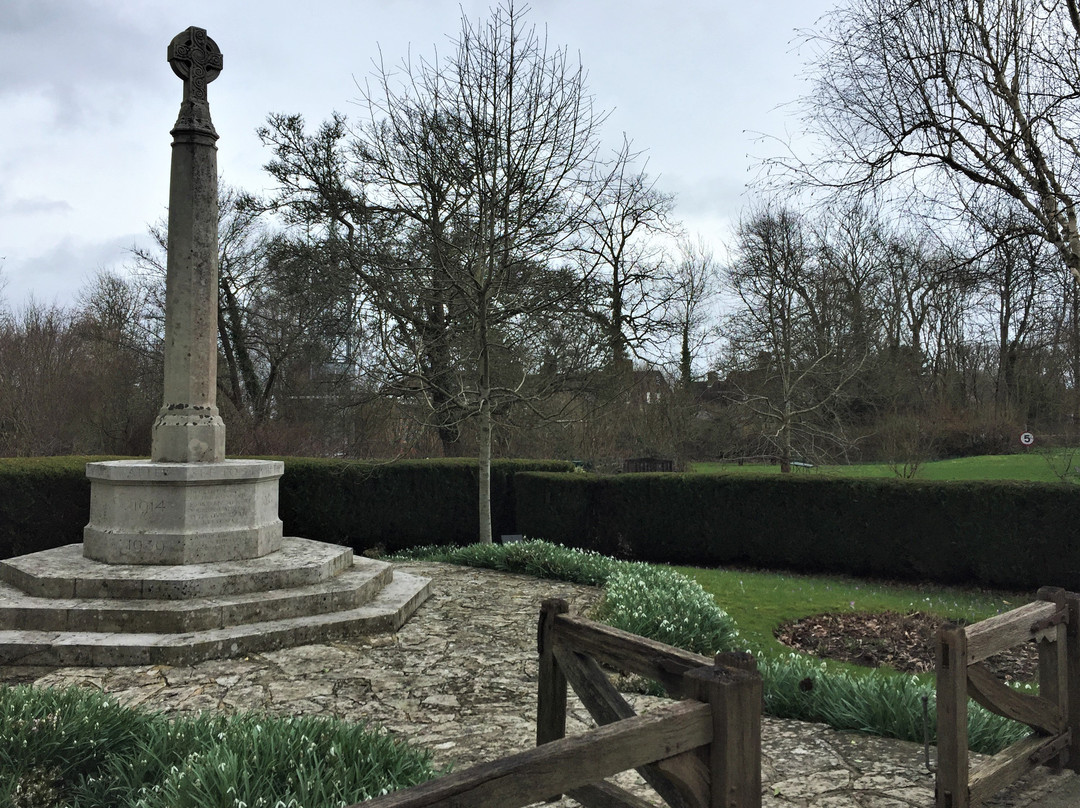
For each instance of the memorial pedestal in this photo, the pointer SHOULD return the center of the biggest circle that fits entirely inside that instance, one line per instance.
(142, 512)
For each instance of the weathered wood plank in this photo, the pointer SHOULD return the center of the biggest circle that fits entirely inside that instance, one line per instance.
(1003, 631)
(952, 766)
(1005, 767)
(1053, 665)
(607, 795)
(551, 683)
(735, 696)
(628, 652)
(682, 782)
(563, 765)
(999, 698)
(1072, 675)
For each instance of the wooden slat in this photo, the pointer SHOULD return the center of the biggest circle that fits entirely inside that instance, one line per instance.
(607, 795)
(997, 697)
(682, 782)
(1005, 767)
(588, 680)
(551, 684)
(628, 652)
(952, 766)
(735, 754)
(1003, 631)
(563, 765)
(1053, 665)
(1072, 675)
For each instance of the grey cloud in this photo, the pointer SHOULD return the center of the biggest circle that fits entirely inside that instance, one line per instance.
(45, 50)
(33, 206)
(57, 274)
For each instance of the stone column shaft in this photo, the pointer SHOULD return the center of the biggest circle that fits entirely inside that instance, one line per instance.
(188, 428)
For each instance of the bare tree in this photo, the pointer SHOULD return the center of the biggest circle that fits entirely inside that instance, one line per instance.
(121, 363)
(691, 304)
(455, 204)
(788, 358)
(40, 386)
(952, 102)
(283, 311)
(624, 251)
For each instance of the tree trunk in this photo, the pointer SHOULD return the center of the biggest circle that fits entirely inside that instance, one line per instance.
(485, 473)
(485, 425)
(685, 359)
(1074, 345)
(785, 440)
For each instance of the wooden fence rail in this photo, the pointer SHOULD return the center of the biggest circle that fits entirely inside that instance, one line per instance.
(1053, 621)
(702, 752)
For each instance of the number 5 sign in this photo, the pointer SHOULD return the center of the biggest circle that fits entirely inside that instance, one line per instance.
(1027, 438)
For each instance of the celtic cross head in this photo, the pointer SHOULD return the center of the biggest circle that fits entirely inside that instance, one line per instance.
(196, 59)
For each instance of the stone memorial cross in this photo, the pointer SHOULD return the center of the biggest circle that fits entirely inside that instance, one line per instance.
(184, 557)
(188, 428)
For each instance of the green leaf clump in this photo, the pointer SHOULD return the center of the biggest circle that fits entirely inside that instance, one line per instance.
(80, 747)
(651, 601)
(666, 606)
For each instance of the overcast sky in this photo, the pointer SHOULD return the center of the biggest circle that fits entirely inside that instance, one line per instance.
(87, 100)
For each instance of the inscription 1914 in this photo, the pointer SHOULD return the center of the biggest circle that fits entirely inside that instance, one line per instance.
(145, 506)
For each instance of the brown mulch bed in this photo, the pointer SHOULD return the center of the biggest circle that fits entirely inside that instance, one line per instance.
(905, 642)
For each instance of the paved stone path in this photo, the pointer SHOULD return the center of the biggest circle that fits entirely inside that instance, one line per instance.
(460, 679)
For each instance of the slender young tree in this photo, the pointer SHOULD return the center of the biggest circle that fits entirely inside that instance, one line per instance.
(455, 203)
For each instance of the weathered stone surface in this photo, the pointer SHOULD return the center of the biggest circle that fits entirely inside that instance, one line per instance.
(460, 678)
(351, 589)
(385, 611)
(188, 428)
(144, 512)
(64, 572)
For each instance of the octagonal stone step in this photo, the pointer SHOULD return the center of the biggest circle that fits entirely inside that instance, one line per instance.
(63, 572)
(349, 590)
(386, 612)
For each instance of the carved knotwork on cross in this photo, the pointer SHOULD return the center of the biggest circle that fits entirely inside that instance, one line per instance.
(196, 59)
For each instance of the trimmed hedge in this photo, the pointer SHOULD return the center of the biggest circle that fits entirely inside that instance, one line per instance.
(1004, 535)
(398, 505)
(45, 502)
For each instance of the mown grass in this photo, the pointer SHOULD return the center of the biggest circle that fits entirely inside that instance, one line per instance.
(760, 602)
(1031, 466)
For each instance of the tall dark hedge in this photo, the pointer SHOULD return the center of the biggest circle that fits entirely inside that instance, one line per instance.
(398, 505)
(1009, 535)
(45, 502)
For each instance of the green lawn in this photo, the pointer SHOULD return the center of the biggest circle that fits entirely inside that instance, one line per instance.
(1033, 466)
(761, 601)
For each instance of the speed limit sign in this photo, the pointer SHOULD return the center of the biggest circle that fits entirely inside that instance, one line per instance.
(1027, 438)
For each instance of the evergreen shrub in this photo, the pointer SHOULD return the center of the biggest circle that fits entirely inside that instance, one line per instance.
(44, 502)
(397, 505)
(1008, 535)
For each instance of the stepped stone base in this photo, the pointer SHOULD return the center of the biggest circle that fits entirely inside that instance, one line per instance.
(58, 607)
